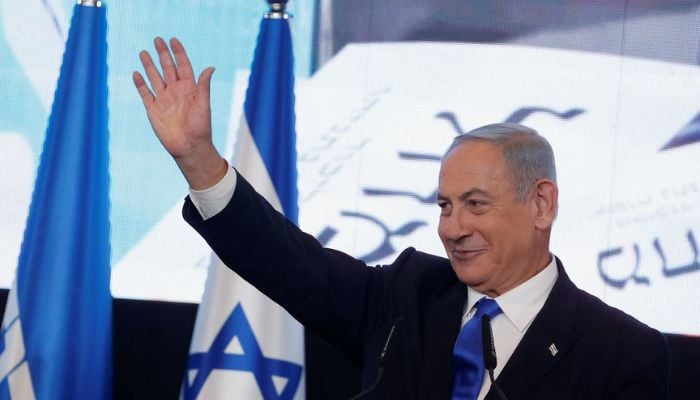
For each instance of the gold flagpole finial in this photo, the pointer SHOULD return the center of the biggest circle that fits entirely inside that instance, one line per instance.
(277, 9)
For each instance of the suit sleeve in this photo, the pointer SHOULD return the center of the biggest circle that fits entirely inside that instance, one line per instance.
(643, 368)
(328, 291)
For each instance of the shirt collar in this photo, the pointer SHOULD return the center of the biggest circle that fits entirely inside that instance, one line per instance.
(522, 303)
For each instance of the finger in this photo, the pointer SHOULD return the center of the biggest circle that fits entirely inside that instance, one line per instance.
(203, 86)
(184, 67)
(144, 91)
(166, 60)
(151, 71)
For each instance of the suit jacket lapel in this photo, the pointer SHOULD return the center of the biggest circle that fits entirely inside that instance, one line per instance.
(546, 342)
(443, 319)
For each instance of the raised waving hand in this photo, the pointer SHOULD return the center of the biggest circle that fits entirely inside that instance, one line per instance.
(179, 110)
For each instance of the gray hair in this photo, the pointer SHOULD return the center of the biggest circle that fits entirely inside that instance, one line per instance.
(528, 156)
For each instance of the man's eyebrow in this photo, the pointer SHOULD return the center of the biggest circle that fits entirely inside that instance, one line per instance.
(475, 191)
(469, 193)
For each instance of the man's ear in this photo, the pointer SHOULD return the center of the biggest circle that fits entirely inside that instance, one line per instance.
(546, 202)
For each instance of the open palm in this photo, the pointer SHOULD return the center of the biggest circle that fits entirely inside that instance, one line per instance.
(180, 114)
(177, 106)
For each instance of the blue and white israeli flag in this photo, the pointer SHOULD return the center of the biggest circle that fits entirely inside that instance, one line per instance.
(245, 346)
(56, 339)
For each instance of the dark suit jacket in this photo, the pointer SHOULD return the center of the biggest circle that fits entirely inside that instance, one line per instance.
(602, 352)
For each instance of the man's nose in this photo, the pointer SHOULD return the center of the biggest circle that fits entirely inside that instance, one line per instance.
(455, 226)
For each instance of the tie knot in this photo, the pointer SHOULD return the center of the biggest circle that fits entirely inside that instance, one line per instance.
(487, 307)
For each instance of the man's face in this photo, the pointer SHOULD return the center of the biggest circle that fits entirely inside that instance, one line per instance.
(490, 237)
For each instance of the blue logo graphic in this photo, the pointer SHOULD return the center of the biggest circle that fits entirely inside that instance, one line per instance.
(689, 134)
(252, 360)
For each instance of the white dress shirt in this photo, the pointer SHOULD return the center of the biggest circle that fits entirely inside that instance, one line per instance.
(520, 305)
(211, 201)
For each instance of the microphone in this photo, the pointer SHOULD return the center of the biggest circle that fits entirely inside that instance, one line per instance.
(384, 357)
(489, 347)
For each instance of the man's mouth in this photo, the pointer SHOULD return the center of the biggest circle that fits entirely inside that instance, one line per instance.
(466, 254)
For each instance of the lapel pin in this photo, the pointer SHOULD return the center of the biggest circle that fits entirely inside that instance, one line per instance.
(553, 349)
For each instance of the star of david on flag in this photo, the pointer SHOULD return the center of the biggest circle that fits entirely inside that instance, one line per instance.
(267, 371)
(244, 345)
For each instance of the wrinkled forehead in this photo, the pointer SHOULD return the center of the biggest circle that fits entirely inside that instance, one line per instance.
(476, 167)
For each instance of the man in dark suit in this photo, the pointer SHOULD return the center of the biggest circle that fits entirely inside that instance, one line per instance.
(498, 200)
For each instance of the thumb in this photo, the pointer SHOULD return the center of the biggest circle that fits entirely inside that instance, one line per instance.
(204, 85)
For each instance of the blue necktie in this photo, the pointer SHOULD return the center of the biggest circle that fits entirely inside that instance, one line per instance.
(469, 354)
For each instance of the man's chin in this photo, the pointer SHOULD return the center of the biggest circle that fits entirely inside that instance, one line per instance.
(469, 273)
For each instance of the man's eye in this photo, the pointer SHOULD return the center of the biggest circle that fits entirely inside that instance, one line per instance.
(476, 203)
